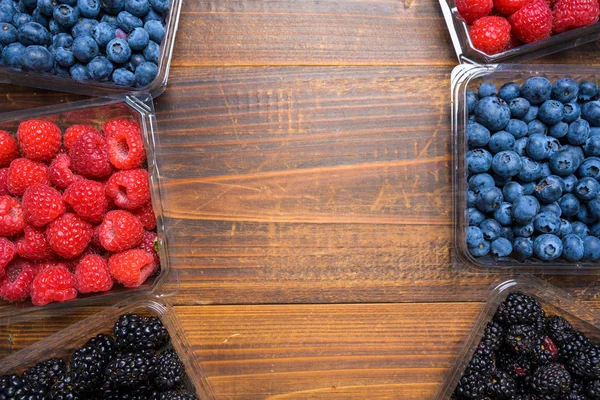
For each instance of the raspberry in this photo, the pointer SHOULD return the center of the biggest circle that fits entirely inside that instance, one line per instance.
(96, 237)
(146, 215)
(33, 245)
(23, 173)
(16, 283)
(8, 251)
(89, 156)
(88, 200)
(92, 275)
(149, 244)
(12, 219)
(131, 268)
(490, 34)
(116, 124)
(472, 10)
(74, 132)
(8, 149)
(129, 189)
(508, 7)
(42, 204)
(55, 283)
(532, 22)
(60, 173)
(4, 182)
(571, 14)
(126, 148)
(39, 140)
(69, 235)
(120, 231)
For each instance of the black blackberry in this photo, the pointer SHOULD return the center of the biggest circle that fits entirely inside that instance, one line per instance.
(544, 352)
(521, 339)
(501, 386)
(104, 344)
(586, 362)
(87, 367)
(42, 376)
(134, 332)
(169, 371)
(573, 395)
(571, 346)
(551, 380)
(130, 369)
(519, 308)
(66, 389)
(493, 336)
(177, 395)
(12, 387)
(472, 385)
(517, 366)
(592, 390)
(558, 328)
(483, 360)
(142, 392)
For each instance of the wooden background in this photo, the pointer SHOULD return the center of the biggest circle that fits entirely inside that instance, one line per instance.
(306, 161)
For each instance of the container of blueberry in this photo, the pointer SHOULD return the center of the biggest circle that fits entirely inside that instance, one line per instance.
(526, 147)
(81, 215)
(92, 47)
(530, 341)
(133, 350)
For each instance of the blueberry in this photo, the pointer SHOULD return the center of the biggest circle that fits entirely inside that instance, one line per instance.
(587, 188)
(128, 22)
(520, 146)
(538, 148)
(525, 208)
(585, 215)
(572, 248)
(595, 229)
(491, 229)
(572, 111)
(139, 8)
(8, 34)
(537, 90)
(549, 189)
(580, 229)
(7, 13)
(536, 127)
(528, 187)
(570, 182)
(579, 132)
(113, 6)
(501, 247)
(591, 146)
(124, 77)
(523, 247)
(507, 233)
(21, 19)
(55, 28)
(474, 236)
(594, 208)
(518, 107)
(486, 89)
(109, 19)
(63, 40)
(577, 152)
(471, 98)
(66, 16)
(551, 112)
(147, 71)
(156, 32)
(120, 34)
(63, 57)
(79, 72)
(85, 48)
(138, 39)
(509, 91)
(530, 170)
(33, 33)
(501, 141)
(46, 7)
(11, 55)
(491, 112)
(501, 180)
(565, 228)
(591, 248)
(569, 204)
(134, 62)
(61, 71)
(89, 8)
(564, 162)
(103, 33)
(552, 208)
(100, 69)
(504, 214)
(559, 130)
(506, 163)
(84, 27)
(587, 91)
(160, 6)
(523, 230)
(546, 222)
(565, 90)
(547, 247)
(489, 199)
(591, 112)
(152, 52)
(594, 131)
(511, 191)
(37, 59)
(118, 51)
(545, 169)
(153, 16)
(475, 216)
(531, 114)
(471, 195)
(480, 181)
(481, 250)
(517, 128)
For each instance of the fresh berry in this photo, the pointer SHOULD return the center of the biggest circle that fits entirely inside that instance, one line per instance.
(42, 204)
(519, 308)
(134, 332)
(177, 395)
(8, 149)
(44, 374)
(15, 286)
(483, 360)
(89, 156)
(120, 231)
(92, 275)
(521, 339)
(544, 352)
(472, 10)
(23, 173)
(74, 132)
(169, 371)
(131, 369)
(39, 140)
(586, 362)
(55, 283)
(129, 189)
(532, 22)
(490, 34)
(12, 387)
(572, 14)
(517, 366)
(65, 389)
(558, 328)
(33, 245)
(131, 268)
(501, 385)
(150, 245)
(69, 235)
(8, 251)
(472, 385)
(126, 148)
(115, 125)
(104, 344)
(551, 380)
(60, 173)
(12, 219)
(509, 7)
(146, 216)
(88, 199)
(4, 182)
(87, 368)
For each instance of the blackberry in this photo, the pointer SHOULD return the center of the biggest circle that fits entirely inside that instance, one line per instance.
(12, 387)
(170, 369)
(87, 367)
(573, 395)
(517, 366)
(551, 380)
(568, 348)
(586, 363)
(143, 392)
(42, 376)
(483, 360)
(472, 385)
(519, 308)
(134, 332)
(558, 328)
(104, 344)
(521, 339)
(66, 389)
(177, 395)
(502, 386)
(592, 390)
(493, 335)
(130, 369)
(544, 352)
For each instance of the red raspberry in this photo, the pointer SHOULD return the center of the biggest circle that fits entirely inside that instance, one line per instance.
(75, 131)
(92, 275)
(89, 156)
(54, 283)
(532, 22)
(60, 173)
(88, 200)
(33, 245)
(39, 140)
(120, 231)
(131, 268)
(472, 10)
(96, 237)
(572, 14)
(42, 266)
(126, 149)
(116, 124)
(150, 244)
(490, 34)
(16, 284)
(8, 149)
(69, 235)
(42, 204)
(129, 189)
(508, 7)
(146, 216)
(23, 173)
(8, 251)
(4, 182)
(12, 219)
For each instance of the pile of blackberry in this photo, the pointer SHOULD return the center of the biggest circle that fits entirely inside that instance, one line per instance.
(132, 364)
(527, 355)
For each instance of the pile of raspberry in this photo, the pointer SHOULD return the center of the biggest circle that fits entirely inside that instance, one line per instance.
(499, 25)
(75, 211)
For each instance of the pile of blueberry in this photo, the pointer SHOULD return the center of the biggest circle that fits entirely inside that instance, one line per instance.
(114, 41)
(533, 165)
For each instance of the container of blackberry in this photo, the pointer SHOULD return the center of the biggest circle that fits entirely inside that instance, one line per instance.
(521, 258)
(530, 339)
(145, 327)
(140, 108)
(90, 47)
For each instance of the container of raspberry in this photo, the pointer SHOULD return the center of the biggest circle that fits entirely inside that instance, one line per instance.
(82, 216)
(530, 341)
(526, 169)
(92, 358)
(494, 31)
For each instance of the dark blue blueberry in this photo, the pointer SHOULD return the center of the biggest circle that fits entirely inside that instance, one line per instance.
(572, 248)
(570, 182)
(572, 111)
(491, 229)
(531, 114)
(594, 131)
(579, 132)
(478, 160)
(511, 191)
(507, 233)
(84, 27)
(147, 71)
(528, 188)
(595, 229)
(103, 33)
(138, 39)
(545, 169)
(509, 91)
(552, 208)
(125, 77)
(7, 13)
(580, 229)
(153, 16)
(536, 127)
(66, 16)
(61, 71)
(89, 8)
(63, 57)
(474, 236)
(517, 128)
(591, 112)
(551, 112)
(113, 6)
(523, 230)
(506, 164)
(37, 59)
(471, 195)
(504, 214)
(481, 250)
(489, 199)
(486, 89)
(68, 2)
(11, 55)
(569, 204)
(475, 216)
(525, 208)
(519, 107)
(480, 181)
(592, 146)
(27, 5)
(139, 8)
(63, 40)
(471, 97)
(160, 6)
(577, 152)
(537, 90)
(79, 72)
(591, 248)
(21, 19)
(85, 48)
(118, 51)
(134, 61)
(8, 34)
(565, 90)
(100, 69)
(156, 32)
(55, 28)
(152, 52)
(530, 170)
(587, 91)
(546, 223)
(564, 162)
(109, 19)
(549, 189)
(538, 148)
(128, 22)
(594, 208)
(501, 180)
(559, 130)
(520, 146)
(585, 215)
(565, 228)
(33, 33)
(501, 141)
(46, 6)
(523, 247)
(586, 189)
(40, 18)
(547, 247)
(120, 34)
(501, 247)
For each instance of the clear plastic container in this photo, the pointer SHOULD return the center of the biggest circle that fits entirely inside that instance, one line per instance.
(96, 111)
(63, 343)
(98, 89)
(467, 53)
(469, 77)
(553, 301)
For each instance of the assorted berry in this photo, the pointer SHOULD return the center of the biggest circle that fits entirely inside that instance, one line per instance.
(72, 221)
(136, 363)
